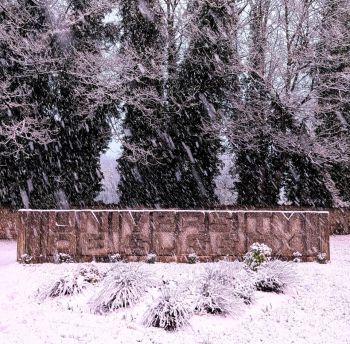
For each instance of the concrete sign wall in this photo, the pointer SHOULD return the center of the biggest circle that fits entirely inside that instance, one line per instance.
(171, 234)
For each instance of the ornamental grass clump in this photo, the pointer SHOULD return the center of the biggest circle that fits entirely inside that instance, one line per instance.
(73, 283)
(170, 311)
(217, 293)
(91, 274)
(236, 276)
(242, 281)
(69, 284)
(123, 287)
(275, 276)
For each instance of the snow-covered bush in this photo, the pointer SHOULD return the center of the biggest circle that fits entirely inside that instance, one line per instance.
(236, 276)
(115, 258)
(25, 259)
(243, 282)
(322, 258)
(297, 257)
(151, 258)
(123, 287)
(63, 258)
(217, 293)
(275, 276)
(257, 255)
(170, 311)
(217, 299)
(91, 274)
(72, 283)
(192, 258)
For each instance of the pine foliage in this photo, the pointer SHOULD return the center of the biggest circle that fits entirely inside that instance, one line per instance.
(205, 79)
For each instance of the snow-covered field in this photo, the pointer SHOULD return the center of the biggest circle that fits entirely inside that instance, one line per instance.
(315, 311)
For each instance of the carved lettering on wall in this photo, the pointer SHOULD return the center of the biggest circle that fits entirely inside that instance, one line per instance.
(171, 235)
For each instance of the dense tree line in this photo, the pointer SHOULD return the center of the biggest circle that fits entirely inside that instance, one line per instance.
(179, 83)
(61, 167)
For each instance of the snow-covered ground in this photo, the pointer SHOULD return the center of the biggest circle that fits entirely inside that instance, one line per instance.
(316, 311)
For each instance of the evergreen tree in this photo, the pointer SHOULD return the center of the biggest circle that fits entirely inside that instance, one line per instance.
(333, 87)
(66, 171)
(257, 164)
(146, 159)
(269, 171)
(83, 134)
(202, 90)
(304, 184)
(27, 22)
(7, 184)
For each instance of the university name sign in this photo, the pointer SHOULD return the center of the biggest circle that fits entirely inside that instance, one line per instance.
(172, 235)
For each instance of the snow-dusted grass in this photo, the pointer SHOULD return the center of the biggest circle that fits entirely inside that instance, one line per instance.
(276, 276)
(170, 310)
(123, 287)
(220, 289)
(314, 311)
(72, 283)
(69, 284)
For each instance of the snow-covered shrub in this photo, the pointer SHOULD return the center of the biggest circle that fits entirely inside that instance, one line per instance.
(243, 282)
(151, 258)
(91, 274)
(275, 276)
(235, 275)
(322, 258)
(170, 311)
(25, 259)
(72, 283)
(297, 257)
(115, 258)
(63, 258)
(123, 287)
(192, 258)
(216, 291)
(257, 255)
(217, 299)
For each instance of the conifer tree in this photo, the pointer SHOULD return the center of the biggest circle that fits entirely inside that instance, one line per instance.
(27, 23)
(333, 91)
(146, 159)
(203, 87)
(83, 134)
(66, 171)
(269, 171)
(257, 167)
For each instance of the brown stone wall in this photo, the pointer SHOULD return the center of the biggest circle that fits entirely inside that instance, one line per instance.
(171, 235)
(8, 224)
(339, 221)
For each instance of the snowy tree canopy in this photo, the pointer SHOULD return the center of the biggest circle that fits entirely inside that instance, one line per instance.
(178, 84)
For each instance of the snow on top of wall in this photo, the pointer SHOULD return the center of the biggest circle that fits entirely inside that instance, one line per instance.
(178, 211)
